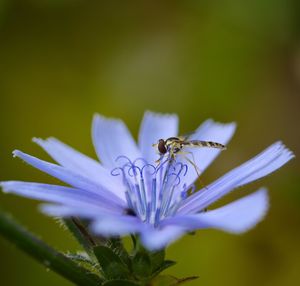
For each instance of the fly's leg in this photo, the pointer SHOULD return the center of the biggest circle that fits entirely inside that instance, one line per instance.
(192, 162)
(158, 161)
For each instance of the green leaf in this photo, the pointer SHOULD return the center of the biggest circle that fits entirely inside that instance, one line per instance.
(80, 233)
(120, 282)
(83, 260)
(157, 259)
(78, 257)
(141, 265)
(166, 264)
(116, 245)
(112, 265)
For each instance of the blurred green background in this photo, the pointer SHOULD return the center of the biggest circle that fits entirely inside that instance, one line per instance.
(63, 60)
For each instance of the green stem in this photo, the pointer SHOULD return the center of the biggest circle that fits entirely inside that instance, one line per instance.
(43, 253)
(79, 232)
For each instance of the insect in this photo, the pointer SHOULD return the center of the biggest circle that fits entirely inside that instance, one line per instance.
(176, 145)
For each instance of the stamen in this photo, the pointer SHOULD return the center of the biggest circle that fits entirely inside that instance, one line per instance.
(140, 204)
(156, 219)
(148, 212)
(152, 192)
(144, 198)
(123, 157)
(153, 199)
(129, 201)
(182, 196)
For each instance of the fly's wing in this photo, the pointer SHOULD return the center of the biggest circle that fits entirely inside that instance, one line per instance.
(186, 136)
(199, 143)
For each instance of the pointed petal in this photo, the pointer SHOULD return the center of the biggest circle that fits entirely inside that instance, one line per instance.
(153, 127)
(203, 157)
(68, 157)
(156, 239)
(59, 194)
(82, 212)
(263, 164)
(70, 177)
(117, 225)
(236, 217)
(78, 163)
(112, 139)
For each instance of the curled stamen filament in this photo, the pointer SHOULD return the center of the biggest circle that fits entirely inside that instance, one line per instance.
(152, 192)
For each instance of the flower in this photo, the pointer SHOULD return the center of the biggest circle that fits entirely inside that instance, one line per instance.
(129, 193)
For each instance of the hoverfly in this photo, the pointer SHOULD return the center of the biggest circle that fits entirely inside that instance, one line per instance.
(175, 145)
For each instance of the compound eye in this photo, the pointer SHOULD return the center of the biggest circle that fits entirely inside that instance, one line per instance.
(161, 146)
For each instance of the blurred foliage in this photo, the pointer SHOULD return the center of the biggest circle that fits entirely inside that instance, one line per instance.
(63, 60)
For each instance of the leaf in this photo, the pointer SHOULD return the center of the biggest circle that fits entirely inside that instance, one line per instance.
(81, 234)
(83, 260)
(157, 259)
(120, 282)
(112, 265)
(141, 265)
(166, 264)
(78, 257)
(116, 245)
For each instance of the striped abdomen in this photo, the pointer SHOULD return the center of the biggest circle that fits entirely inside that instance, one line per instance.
(199, 143)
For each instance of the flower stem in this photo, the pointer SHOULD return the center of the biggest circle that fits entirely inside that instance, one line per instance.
(43, 253)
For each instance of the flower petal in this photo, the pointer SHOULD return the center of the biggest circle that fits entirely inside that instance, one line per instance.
(155, 239)
(62, 195)
(103, 223)
(70, 177)
(153, 127)
(263, 164)
(69, 157)
(235, 217)
(203, 157)
(57, 210)
(117, 225)
(112, 139)
(79, 163)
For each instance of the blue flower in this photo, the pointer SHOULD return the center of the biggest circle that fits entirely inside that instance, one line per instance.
(129, 193)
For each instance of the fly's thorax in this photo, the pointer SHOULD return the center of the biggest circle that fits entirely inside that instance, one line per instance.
(174, 145)
(172, 140)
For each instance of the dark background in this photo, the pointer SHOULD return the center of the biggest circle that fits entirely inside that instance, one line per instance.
(63, 60)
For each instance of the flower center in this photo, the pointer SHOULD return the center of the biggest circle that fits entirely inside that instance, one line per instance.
(153, 192)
